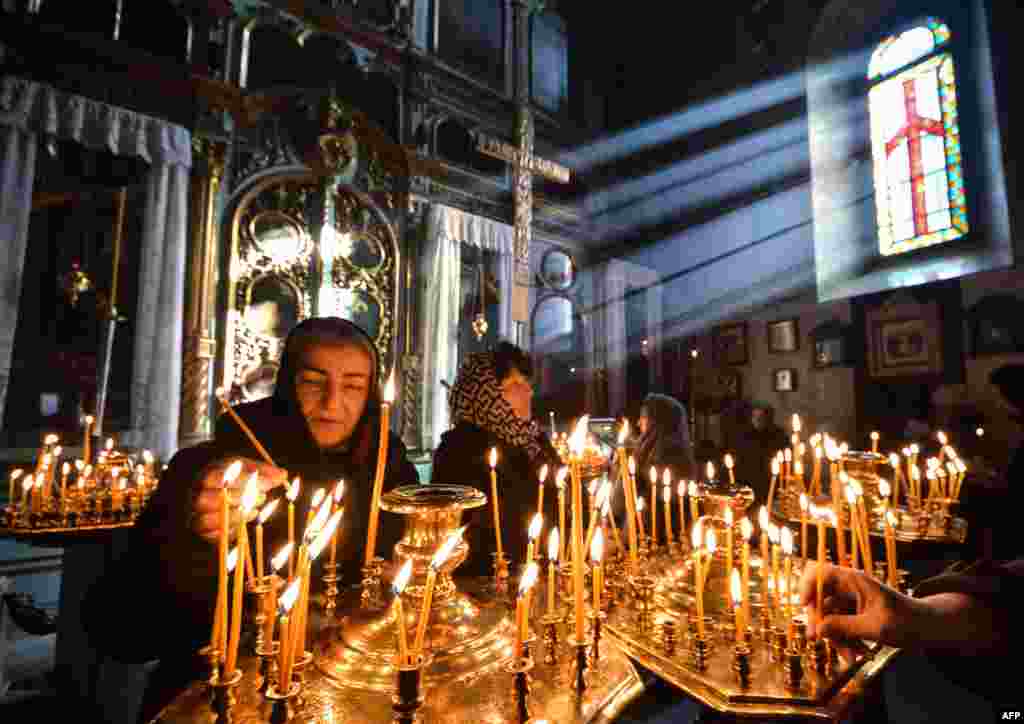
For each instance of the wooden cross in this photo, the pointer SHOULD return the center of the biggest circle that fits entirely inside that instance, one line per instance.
(524, 165)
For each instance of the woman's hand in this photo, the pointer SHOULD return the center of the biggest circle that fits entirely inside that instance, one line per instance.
(205, 519)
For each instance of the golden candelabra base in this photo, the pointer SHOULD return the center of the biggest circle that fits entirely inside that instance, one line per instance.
(282, 704)
(408, 698)
(580, 672)
(372, 596)
(223, 696)
(268, 664)
(330, 580)
(550, 622)
(520, 668)
(741, 664)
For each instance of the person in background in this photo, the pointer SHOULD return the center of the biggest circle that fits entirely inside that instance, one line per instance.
(491, 406)
(1000, 507)
(754, 448)
(664, 438)
(321, 425)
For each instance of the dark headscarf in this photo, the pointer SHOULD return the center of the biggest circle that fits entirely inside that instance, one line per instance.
(666, 430)
(476, 398)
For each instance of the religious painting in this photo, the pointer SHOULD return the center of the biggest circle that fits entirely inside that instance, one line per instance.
(729, 344)
(784, 335)
(904, 339)
(784, 380)
(915, 141)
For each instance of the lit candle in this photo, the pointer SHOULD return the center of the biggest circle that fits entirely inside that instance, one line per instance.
(787, 551)
(387, 398)
(728, 466)
(681, 498)
(737, 603)
(763, 522)
(697, 539)
(26, 487)
(654, 507)
(710, 470)
(855, 543)
(943, 441)
(787, 466)
(797, 426)
(600, 499)
(265, 513)
(397, 587)
(286, 655)
(607, 516)
(894, 463)
(560, 485)
(231, 565)
(543, 476)
(87, 442)
(495, 504)
(628, 493)
(819, 515)
(864, 532)
(533, 532)
(874, 442)
(641, 505)
(890, 547)
(816, 480)
(291, 494)
(728, 537)
(276, 563)
(15, 474)
(746, 530)
(320, 534)
(980, 432)
(65, 470)
(218, 637)
(773, 535)
(339, 492)
(666, 494)
(803, 527)
(596, 561)
(436, 562)
(248, 502)
(314, 505)
(523, 607)
(775, 477)
(961, 469)
(575, 451)
(694, 509)
(553, 554)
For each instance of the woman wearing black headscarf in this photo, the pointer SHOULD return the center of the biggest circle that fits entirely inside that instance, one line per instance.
(321, 425)
(664, 438)
(491, 407)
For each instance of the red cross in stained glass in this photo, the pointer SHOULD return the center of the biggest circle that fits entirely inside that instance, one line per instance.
(913, 130)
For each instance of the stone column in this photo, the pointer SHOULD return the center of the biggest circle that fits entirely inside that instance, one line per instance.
(200, 343)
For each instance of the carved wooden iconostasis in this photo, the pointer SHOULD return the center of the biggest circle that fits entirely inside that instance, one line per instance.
(319, 238)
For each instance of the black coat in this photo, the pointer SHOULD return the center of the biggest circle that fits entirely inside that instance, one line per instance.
(168, 573)
(462, 458)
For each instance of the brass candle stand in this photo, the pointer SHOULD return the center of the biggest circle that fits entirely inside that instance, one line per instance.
(267, 653)
(372, 595)
(550, 623)
(259, 591)
(501, 576)
(597, 619)
(741, 664)
(282, 703)
(408, 698)
(520, 669)
(223, 691)
(330, 580)
(580, 665)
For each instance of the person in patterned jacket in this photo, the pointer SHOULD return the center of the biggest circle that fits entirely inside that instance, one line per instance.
(491, 408)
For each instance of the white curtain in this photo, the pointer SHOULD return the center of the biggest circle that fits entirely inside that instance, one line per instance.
(28, 109)
(447, 230)
(17, 173)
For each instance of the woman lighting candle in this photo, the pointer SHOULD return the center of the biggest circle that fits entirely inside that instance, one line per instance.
(397, 587)
(387, 398)
(553, 553)
(492, 461)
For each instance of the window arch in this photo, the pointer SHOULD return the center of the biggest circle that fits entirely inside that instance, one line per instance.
(915, 140)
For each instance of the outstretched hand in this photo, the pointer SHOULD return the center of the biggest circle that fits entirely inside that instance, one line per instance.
(857, 607)
(206, 505)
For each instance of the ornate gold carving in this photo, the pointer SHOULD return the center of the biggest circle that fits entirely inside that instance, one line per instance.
(195, 385)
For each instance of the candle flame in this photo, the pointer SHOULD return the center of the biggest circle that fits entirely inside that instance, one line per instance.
(883, 488)
(15, 474)
(960, 466)
(592, 487)
(632, 466)
(653, 474)
(605, 509)
(89, 419)
(681, 488)
(390, 390)
(697, 534)
(560, 476)
(803, 502)
(817, 453)
(28, 483)
(289, 596)
(446, 548)
(711, 541)
(250, 494)
(941, 436)
(666, 493)
(293, 490)
(339, 490)
(65, 469)
(268, 510)
(318, 497)
(797, 426)
(579, 435)
(728, 461)
(492, 459)
(402, 578)
(874, 437)
(736, 587)
(762, 518)
(787, 455)
(597, 546)
(318, 522)
(851, 497)
(640, 504)
(775, 467)
(746, 528)
(623, 432)
(604, 494)
(798, 467)
(282, 556)
(728, 516)
(528, 579)
(787, 541)
(980, 432)
(535, 526)
(324, 536)
(232, 559)
(710, 469)
(773, 533)
(890, 518)
(232, 473)
(110, 443)
(693, 353)
(693, 489)
(57, 451)
(553, 544)
(543, 473)
(147, 456)
(915, 449)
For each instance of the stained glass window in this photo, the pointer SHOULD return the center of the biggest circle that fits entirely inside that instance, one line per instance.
(915, 141)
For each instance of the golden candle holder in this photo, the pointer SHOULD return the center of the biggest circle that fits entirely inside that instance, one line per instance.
(597, 619)
(550, 623)
(668, 637)
(777, 645)
(501, 576)
(643, 587)
(282, 704)
(223, 696)
(268, 654)
(520, 668)
(212, 656)
(259, 591)
(330, 580)
(700, 648)
(819, 655)
(794, 668)
(408, 697)
(741, 664)
(373, 595)
(580, 674)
